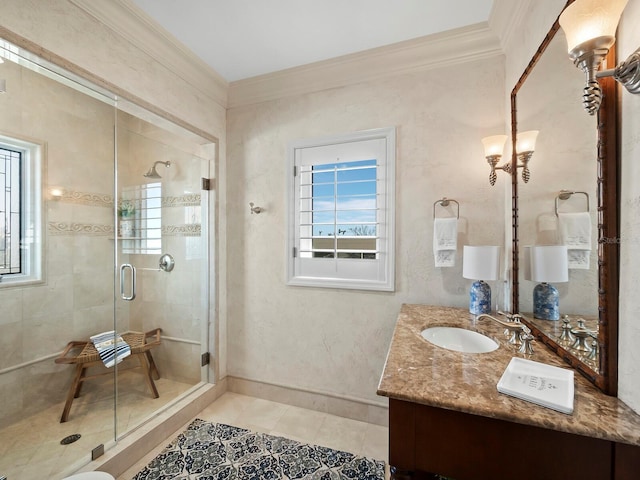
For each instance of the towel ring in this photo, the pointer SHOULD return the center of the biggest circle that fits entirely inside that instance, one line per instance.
(444, 202)
(566, 194)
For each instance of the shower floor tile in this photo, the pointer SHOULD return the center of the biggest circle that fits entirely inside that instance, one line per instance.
(30, 449)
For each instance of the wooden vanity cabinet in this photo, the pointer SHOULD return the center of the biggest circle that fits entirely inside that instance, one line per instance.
(463, 446)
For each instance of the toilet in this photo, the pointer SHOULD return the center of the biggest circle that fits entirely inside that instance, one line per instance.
(90, 476)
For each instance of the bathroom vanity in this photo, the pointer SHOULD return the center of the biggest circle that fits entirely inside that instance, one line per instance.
(446, 415)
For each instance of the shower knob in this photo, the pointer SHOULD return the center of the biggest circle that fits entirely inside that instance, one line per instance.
(166, 262)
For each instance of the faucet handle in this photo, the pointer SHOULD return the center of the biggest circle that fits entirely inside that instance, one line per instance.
(526, 348)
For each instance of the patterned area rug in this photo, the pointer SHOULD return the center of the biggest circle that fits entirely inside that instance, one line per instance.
(215, 451)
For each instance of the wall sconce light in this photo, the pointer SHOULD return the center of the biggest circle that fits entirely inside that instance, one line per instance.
(494, 147)
(56, 193)
(525, 146)
(590, 27)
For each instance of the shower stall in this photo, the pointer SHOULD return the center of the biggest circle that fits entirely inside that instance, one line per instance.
(105, 226)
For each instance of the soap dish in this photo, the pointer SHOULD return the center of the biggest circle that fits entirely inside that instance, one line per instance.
(539, 383)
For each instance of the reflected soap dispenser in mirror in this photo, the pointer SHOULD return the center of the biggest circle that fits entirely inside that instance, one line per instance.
(549, 264)
(480, 263)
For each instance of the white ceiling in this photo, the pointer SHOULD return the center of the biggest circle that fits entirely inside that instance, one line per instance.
(244, 38)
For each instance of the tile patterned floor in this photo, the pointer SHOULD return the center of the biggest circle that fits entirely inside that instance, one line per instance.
(30, 449)
(296, 423)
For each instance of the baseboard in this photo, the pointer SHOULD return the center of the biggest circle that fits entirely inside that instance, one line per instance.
(342, 406)
(129, 450)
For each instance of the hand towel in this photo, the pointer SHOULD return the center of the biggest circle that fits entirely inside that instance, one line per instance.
(445, 241)
(111, 347)
(575, 233)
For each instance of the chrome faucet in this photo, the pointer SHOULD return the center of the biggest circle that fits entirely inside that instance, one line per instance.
(516, 329)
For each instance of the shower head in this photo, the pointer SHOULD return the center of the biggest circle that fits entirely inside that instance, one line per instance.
(153, 173)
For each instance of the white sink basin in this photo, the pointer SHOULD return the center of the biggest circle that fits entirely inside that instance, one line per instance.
(459, 339)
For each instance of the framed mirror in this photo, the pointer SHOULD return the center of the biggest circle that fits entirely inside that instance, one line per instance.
(573, 185)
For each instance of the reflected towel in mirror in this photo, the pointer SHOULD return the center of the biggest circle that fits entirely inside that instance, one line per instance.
(575, 233)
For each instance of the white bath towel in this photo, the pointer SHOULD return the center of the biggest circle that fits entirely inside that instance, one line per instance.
(445, 241)
(575, 233)
(111, 347)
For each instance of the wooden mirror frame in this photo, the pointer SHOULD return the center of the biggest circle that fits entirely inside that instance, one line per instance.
(608, 208)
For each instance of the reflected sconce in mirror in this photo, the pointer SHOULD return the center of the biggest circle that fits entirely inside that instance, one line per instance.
(480, 264)
(590, 27)
(494, 147)
(549, 264)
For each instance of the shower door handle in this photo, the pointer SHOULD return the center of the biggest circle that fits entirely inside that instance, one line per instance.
(123, 267)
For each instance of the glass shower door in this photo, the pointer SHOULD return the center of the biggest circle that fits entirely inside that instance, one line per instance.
(162, 253)
(58, 137)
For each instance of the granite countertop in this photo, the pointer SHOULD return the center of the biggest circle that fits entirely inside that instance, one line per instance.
(418, 371)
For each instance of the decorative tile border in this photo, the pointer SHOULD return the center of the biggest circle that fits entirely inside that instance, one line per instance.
(104, 200)
(186, 230)
(85, 198)
(64, 228)
(187, 200)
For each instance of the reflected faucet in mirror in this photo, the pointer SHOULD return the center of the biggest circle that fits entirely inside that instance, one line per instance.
(494, 148)
(590, 27)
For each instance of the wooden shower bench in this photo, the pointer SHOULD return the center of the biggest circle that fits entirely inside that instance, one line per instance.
(83, 354)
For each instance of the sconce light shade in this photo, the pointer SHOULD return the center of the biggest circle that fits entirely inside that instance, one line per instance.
(585, 20)
(480, 263)
(494, 145)
(549, 263)
(526, 141)
(590, 27)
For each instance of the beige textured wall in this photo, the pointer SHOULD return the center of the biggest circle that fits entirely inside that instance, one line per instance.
(629, 335)
(335, 341)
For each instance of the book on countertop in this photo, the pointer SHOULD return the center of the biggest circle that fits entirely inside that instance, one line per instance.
(539, 383)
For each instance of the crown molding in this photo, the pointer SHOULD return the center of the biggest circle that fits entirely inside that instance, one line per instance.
(506, 17)
(132, 24)
(424, 53)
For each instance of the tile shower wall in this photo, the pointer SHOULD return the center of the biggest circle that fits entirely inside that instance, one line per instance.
(335, 341)
(629, 330)
(76, 298)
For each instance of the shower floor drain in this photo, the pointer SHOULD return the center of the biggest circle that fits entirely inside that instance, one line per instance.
(70, 439)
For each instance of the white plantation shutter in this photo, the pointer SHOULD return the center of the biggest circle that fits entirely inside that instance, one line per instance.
(341, 211)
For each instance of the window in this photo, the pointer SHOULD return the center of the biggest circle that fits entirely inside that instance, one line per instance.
(341, 211)
(20, 212)
(143, 220)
